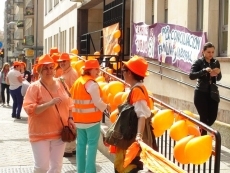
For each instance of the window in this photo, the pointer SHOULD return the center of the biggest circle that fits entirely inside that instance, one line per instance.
(45, 6)
(49, 42)
(166, 11)
(223, 27)
(46, 48)
(200, 14)
(56, 2)
(71, 38)
(152, 11)
(56, 40)
(50, 4)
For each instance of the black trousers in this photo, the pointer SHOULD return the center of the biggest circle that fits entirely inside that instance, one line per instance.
(3, 88)
(206, 107)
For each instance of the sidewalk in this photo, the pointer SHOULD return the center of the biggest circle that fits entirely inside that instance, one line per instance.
(16, 153)
(17, 157)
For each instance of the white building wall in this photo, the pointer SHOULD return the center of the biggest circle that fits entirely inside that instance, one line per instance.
(59, 20)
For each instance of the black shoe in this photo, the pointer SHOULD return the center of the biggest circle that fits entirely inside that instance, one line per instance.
(19, 118)
(74, 152)
(68, 154)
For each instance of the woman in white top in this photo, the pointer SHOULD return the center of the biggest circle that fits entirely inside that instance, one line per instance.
(4, 86)
(14, 79)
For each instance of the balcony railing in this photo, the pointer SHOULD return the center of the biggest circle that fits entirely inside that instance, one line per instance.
(19, 3)
(29, 11)
(20, 24)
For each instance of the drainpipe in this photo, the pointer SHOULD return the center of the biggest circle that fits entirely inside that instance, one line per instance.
(36, 53)
(131, 25)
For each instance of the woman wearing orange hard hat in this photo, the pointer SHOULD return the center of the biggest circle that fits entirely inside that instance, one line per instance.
(48, 106)
(87, 113)
(14, 79)
(134, 71)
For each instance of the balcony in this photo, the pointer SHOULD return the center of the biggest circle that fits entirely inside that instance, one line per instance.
(10, 6)
(19, 3)
(10, 11)
(11, 27)
(29, 12)
(29, 40)
(20, 23)
(18, 34)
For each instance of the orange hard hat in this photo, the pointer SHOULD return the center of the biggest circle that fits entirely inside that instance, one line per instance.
(45, 59)
(22, 63)
(16, 63)
(137, 65)
(74, 51)
(53, 50)
(55, 56)
(64, 57)
(90, 64)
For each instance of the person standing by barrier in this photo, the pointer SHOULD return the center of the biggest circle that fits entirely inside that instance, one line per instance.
(207, 71)
(4, 85)
(70, 76)
(48, 106)
(87, 115)
(14, 79)
(134, 72)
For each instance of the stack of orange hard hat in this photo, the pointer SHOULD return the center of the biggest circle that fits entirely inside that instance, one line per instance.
(53, 50)
(55, 56)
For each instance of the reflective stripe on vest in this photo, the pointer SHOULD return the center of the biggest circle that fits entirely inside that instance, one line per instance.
(89, 110)
(83, 102)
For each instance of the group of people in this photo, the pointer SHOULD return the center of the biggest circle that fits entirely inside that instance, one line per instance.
(11, 81)
(48, 103)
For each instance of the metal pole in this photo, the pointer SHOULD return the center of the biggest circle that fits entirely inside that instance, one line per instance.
(36, 52)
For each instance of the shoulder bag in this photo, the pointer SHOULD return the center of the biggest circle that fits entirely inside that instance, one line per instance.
(67, 135)
(122, 132)
(214, 92)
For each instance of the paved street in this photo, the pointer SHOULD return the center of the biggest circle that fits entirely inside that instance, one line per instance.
(16, 154)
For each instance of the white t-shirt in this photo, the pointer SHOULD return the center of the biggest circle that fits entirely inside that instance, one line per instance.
(13, 79)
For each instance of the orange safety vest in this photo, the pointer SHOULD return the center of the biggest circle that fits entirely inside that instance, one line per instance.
(84, 110)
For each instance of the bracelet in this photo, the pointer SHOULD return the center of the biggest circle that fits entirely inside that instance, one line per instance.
(70, 118)
(139, 134)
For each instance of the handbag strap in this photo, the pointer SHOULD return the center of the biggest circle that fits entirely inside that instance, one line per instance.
(55, 104)
(62, 81)
(137, 86)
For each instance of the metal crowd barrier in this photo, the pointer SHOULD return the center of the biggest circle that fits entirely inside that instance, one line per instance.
(166, 143)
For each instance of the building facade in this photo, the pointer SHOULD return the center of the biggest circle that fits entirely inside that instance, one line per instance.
(23, 30)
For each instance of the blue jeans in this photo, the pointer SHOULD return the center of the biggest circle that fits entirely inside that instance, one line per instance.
(17, 102)
(86, 161)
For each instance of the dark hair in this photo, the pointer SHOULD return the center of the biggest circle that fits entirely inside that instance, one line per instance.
(135, 76)
(208, 45)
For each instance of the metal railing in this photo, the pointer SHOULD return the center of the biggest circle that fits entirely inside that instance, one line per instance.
(166, 143)
(176, 80)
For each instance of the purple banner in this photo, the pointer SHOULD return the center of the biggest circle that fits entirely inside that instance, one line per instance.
(168, 43)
